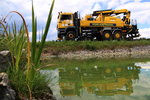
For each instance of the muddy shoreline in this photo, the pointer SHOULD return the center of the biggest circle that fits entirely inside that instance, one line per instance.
(135, 52)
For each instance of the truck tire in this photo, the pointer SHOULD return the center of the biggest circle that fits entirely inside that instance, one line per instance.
(107, 35)
(70, 35)
(117, 35)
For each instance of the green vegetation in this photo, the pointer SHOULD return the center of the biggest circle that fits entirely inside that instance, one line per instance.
(89, 63)
(2, 44)
(66, 46)
(24, 73)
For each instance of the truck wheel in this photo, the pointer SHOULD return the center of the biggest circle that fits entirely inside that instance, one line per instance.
(70, 35)
(106, 35)
(117, 35)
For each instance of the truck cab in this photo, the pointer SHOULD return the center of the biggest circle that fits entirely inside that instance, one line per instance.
(65, 20)
(67, 26)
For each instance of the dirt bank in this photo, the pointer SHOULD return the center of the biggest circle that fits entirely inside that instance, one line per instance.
(135, 52)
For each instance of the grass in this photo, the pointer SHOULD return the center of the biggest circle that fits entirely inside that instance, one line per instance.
(67, 46)
(24, 75)
(90, 63)
(38, 85)
(2, 44)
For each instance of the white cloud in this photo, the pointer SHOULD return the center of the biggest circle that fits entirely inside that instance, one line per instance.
(96, 7)
(145, 32)
(125, 1)
(113, 3)
(140, 10)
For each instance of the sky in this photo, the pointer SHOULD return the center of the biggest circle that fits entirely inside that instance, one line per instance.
(140, 10)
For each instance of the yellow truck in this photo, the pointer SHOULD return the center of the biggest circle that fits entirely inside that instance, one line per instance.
(101, 25)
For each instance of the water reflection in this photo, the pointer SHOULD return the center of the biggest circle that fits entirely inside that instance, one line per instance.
(100, 81)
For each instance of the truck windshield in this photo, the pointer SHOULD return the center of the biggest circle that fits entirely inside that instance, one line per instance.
(65, 17)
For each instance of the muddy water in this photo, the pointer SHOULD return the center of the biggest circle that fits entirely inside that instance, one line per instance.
(100, 79)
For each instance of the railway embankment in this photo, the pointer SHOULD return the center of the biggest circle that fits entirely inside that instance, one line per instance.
(91, 49)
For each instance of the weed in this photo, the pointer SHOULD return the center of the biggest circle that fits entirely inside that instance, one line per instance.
(23, 73)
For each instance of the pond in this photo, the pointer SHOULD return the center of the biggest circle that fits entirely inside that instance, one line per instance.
(100, 79)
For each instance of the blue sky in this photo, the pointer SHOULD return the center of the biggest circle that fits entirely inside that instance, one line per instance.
(140, 10)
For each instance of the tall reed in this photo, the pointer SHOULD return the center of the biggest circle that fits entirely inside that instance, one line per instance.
(19, 44)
